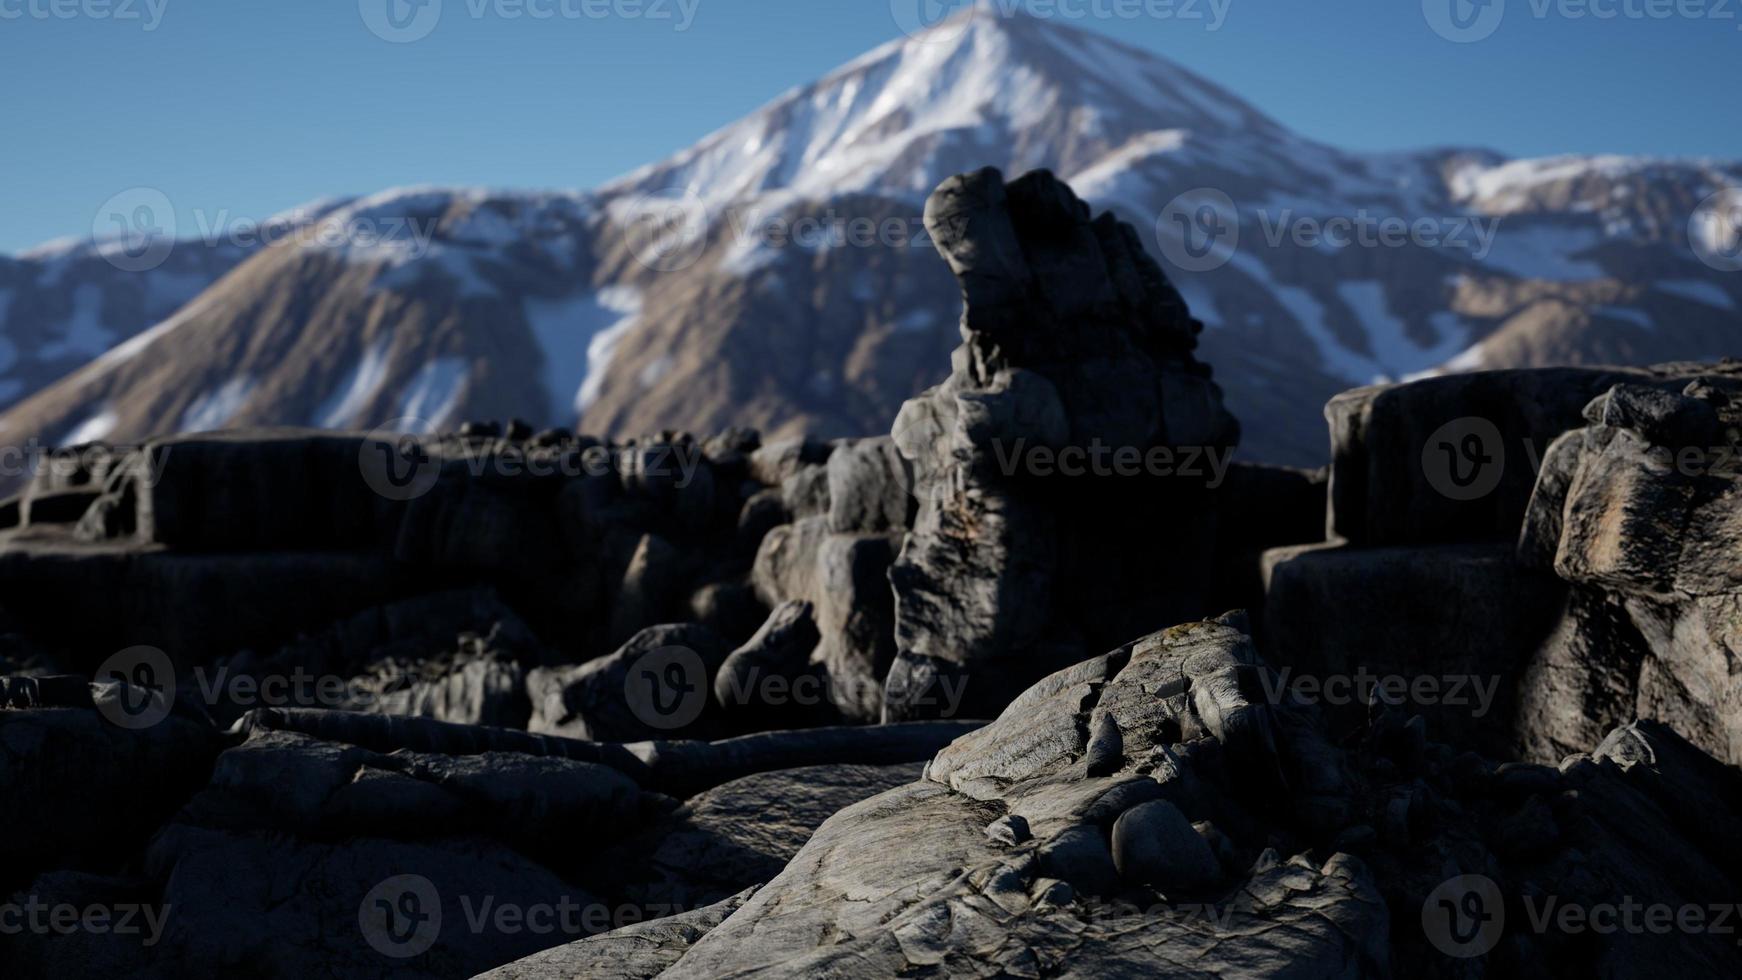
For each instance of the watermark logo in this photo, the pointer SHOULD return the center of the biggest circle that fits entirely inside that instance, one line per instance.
(144, 687)
(1468, 21)
(1715, 230)
(37, 917)
(400, 21)
(930, 20)
(666, 231)
(72, 463)
(667, 688)
(829, 230)
(1476, 692)
(146, 13)
(756, 687)
(405, 21)
(1464, 21)
(1629, 915)
(1367, 229)
(1464, 917)
(1199, 230)
(1464, 459)
(934, 21)
(135, 229)
(395, 463)
(401, 917)
(1101, 460)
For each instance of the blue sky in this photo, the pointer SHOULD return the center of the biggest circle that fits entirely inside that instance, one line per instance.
(250, 107)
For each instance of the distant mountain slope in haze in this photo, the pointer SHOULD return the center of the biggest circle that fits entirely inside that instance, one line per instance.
(776, 273)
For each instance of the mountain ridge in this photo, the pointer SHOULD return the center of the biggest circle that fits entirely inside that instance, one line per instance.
(677, 296)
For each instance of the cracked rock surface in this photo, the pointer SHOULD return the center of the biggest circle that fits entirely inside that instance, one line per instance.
(1261, 848)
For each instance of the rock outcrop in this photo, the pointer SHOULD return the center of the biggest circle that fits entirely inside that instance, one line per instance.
(270, 851)
(520, 704)
(1074, 415)
(1230, 834)
(1640, 513)
(1529, 559)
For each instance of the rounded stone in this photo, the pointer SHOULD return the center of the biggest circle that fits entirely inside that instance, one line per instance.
(1154, 844)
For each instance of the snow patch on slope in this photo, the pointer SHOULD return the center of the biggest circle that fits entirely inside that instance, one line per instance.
(356, 390)
(1545, 252)
(433, 393)
(578, 336)
(1507, 187)
(1638, 318)
(92, 429)
(1700, 291)
(1471, 360)
(1119, 178)
(214, 409)
(1395, 353)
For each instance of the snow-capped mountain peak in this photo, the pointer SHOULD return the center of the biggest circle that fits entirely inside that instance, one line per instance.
(1016, 91)
(422, 307)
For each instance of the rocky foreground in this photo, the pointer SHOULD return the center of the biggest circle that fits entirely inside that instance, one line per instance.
(965, 700)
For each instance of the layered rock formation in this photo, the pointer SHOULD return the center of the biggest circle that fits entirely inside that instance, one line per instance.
(1141, 814)
(1640, 513)
(1550, 584)
(536, 705)
(1075, 415)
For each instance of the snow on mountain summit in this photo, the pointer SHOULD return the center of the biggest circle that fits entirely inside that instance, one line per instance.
(1017, 92)
(454, 303)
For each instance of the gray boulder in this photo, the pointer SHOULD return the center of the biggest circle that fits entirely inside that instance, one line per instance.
(1154, 844)
(1638, 515)
(870, 488)
(932, 890)
(779, 652)
(657, 685)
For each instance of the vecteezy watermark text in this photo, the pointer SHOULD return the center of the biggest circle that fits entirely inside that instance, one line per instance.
(942, 20)
(405, 21)
(1466, 458)
(38, 917)
(33, 458)
(1365, 229)
(668, 688)
(1364, 687)
(769, 688)
(1469, 21)
(138, 229)
(1466, 917)
(396, 464)
(148, 14)
(1200, 230)
(401, 917)
(1098, 459)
